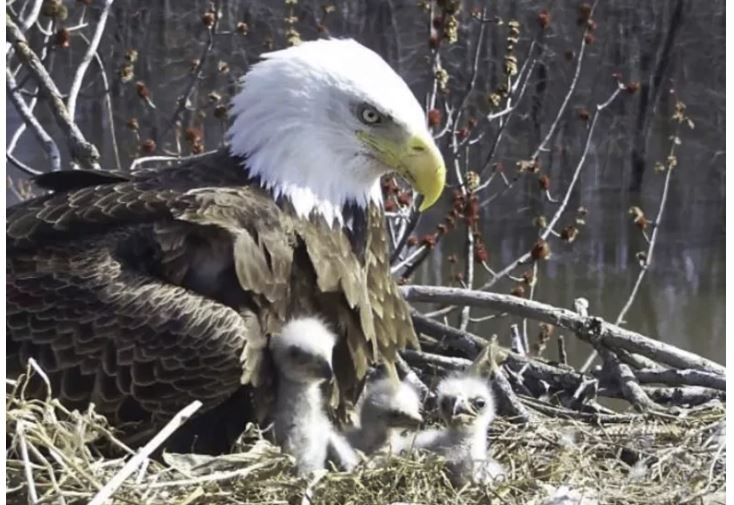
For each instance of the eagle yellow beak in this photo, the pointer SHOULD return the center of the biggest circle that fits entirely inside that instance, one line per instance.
(415, 158)
(421, 164)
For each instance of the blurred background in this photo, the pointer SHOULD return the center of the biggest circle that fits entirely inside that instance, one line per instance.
(165, 71)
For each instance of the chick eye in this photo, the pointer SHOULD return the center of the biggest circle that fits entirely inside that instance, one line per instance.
(479, 403)
(295, 352)
(369, 115)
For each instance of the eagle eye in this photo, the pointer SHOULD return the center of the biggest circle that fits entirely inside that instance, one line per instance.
(369, 115)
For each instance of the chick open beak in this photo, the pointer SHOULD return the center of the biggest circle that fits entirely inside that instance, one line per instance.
(462, 411)
(422, 165)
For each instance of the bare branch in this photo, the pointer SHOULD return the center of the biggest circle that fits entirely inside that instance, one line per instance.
(32, 15)
(564, 203)
(49, 146)
(21, 166)
(82, 151)
(76, 84)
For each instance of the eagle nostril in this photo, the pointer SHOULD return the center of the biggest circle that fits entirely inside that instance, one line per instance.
(418, 148)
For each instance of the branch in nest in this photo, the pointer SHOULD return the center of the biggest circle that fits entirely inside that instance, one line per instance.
(610, 335)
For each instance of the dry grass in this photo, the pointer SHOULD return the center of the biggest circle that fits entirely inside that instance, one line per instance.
(653, 460)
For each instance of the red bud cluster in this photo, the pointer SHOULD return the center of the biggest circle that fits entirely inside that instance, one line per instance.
(148, 146)
(434, 117)
(544, 19)
(541, 250)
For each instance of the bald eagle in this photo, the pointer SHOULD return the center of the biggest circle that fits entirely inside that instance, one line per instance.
(142, 291)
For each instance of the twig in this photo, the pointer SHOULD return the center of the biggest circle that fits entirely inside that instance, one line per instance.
(566, 198)
(81, 150)
(76, 84)
(519, 345)
(52, 150)
(108, 105)
(107, 491)
(22, 166)
(562, 354)
(648, 256)
(577, 72)
(212, 477)
(32, 15)
(612, 336)
(27, 466)
(211, 31)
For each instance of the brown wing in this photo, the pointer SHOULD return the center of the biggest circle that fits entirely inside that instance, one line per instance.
(143, 294)
(135, 346)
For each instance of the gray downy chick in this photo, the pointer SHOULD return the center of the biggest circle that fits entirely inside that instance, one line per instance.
(386, 408)
(466, 405)
(302, 355)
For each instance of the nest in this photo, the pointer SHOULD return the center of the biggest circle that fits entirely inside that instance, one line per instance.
(53, 457)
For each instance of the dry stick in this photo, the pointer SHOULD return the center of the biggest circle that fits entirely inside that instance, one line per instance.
(106, 492)
(685, 395)
(52, 150)
(637, 361)
(81, 150)
(32, 493)
(562, 354)
(76, 84)
(675, 377)
(648, 260)
(630, 388)
(508, 400)
(594, 418)
(611, 335)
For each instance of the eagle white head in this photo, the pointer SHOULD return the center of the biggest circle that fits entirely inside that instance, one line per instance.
(320, 122)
